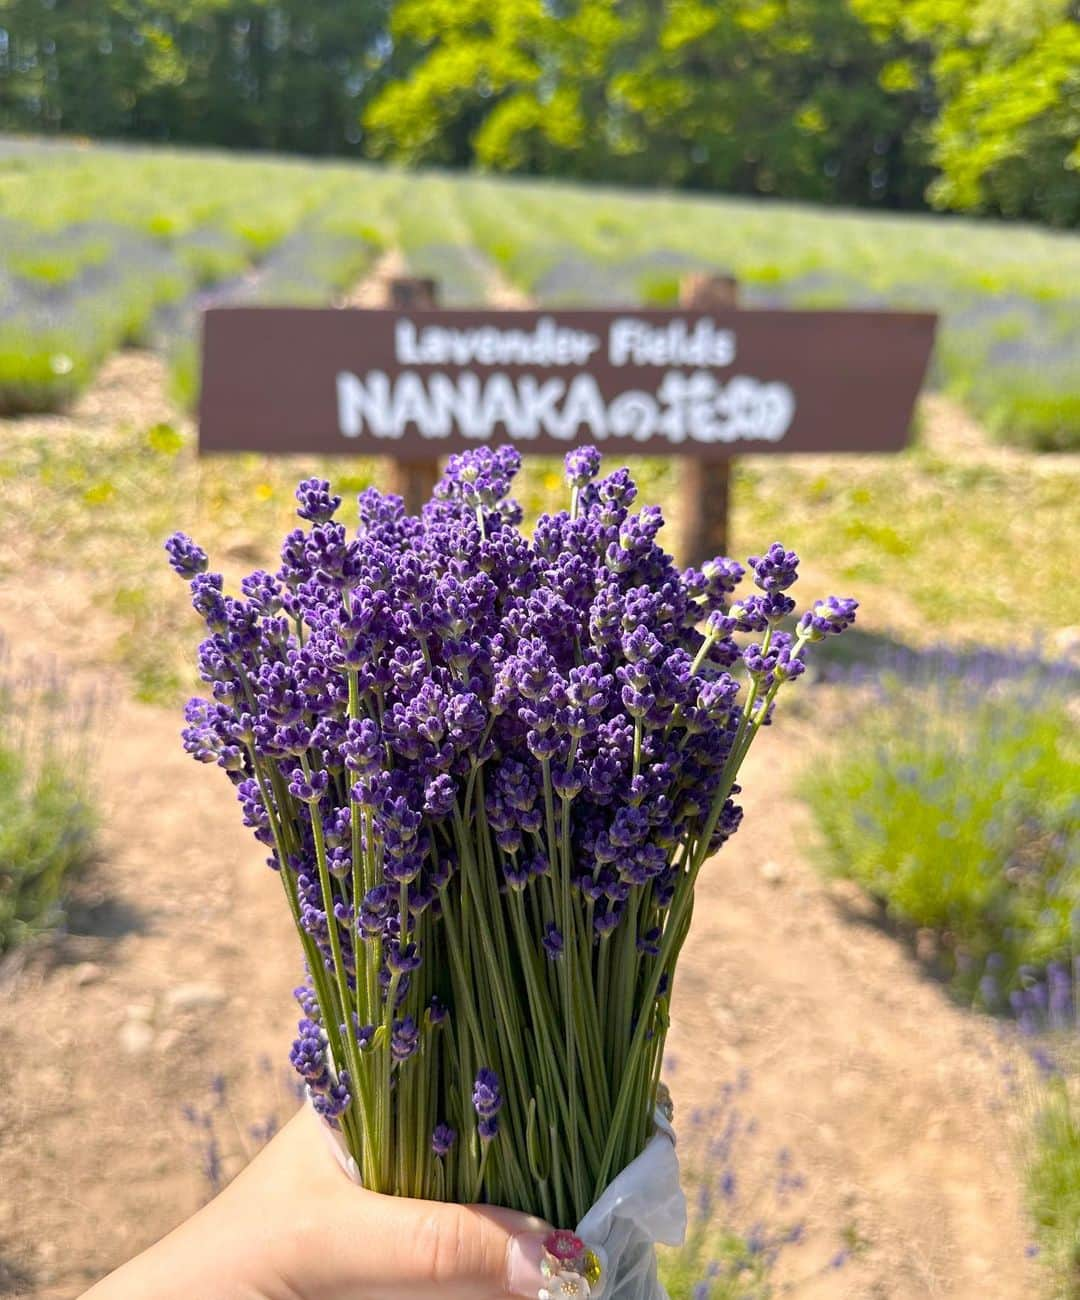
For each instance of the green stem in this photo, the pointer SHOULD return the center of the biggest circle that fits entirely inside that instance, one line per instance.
(677, 925)
(357, 1072)
(561, 871)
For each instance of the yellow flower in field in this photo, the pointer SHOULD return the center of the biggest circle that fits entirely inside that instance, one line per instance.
(264, 491)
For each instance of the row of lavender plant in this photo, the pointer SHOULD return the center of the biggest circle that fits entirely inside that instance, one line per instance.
(490, 770)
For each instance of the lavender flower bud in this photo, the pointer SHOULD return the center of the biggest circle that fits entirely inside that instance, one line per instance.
(405, 1039)
(515, 873)
(607, 919)
(185, 557)
(834, 614)
(308, 1055)
(488, 1128)
(208, 601)
(722, 575)
(582, 466)
(439, 796)
(308, 789)
(751, 614)
(553, 943)
(649, 942)
(316, 503)
(443, 1139)
(401, 959)
(335, 1100)
(776, 570)
(263, 591)
(487, 1094)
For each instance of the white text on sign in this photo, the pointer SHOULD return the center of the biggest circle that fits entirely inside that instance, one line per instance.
(695, 407)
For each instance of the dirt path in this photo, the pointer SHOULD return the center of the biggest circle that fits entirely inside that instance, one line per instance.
(888, 1096)
(372, 289)
(181, 964)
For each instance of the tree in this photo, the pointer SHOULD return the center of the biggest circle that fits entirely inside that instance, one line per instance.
(272, 74)
(1007, 75)
(758, 96)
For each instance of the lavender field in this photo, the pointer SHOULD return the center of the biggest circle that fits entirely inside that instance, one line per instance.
(105, 247)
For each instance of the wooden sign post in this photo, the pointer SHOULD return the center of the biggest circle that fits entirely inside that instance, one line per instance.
(704, 381)
(706, 485)
(414, 480)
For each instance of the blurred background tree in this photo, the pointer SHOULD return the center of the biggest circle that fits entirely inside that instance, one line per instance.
(971, 105)
(746, 97)
(1006, 74)
(288, 75)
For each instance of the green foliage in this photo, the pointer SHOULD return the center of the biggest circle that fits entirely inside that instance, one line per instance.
(715, 1264)
(1053, 1188)
(240, 73)
(47, 820)
(746, 97)
(954, 802)
(1007, 77)
(54, 267)
(37, 371)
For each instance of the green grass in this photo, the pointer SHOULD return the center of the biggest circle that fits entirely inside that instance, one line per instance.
(872, 526)
(47, 818)
(953, 798)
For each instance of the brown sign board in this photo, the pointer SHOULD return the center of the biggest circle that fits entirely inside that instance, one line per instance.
(415, 385)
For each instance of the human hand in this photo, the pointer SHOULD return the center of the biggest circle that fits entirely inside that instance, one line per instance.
(292, 1227)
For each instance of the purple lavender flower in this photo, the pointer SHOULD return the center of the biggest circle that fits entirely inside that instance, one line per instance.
(187, 559)
(405, 1039)
(443, 1139)
(334, 1101)
(308, 787)
(582, 466)
(776, 570)
(487, 1094)
(316, 502)
(834, 614)
(553, 943)
(488, 1128)
(207, 600)
(308, 1055)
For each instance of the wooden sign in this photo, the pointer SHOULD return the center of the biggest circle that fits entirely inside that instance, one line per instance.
(417, 384)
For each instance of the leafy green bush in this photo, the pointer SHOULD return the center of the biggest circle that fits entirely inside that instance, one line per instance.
(47, 818)
(56, 267)
(953, 800)
(1053, 1189)
(38, 372)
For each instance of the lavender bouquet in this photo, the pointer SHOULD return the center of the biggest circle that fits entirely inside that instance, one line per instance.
(489, 769)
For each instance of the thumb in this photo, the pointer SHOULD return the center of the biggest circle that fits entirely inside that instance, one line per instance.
(453, 1252)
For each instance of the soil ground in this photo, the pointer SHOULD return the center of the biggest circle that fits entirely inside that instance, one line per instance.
(179, 964)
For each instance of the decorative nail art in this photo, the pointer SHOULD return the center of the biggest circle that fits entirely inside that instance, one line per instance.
(572, 1269)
